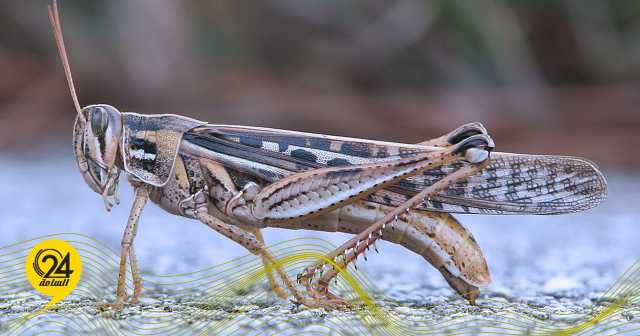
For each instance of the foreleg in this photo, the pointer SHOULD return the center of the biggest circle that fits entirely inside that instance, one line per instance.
(127, 253)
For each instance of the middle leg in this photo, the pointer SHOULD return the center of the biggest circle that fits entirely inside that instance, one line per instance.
(225, 197)
(242, 237)
(273, 284)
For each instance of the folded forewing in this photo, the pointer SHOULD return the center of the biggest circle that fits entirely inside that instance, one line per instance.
(511, 184)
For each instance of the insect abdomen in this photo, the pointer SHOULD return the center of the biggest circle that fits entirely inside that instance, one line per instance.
(437, 237)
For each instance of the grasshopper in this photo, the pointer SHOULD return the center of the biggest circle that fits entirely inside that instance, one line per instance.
(238, 180)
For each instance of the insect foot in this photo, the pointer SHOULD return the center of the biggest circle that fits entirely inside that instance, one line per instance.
(320, 296)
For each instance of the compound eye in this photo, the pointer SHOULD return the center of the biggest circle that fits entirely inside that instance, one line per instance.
(99, 120)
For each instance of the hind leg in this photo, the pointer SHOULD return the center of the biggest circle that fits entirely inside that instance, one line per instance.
(456, 135)
(348, 252)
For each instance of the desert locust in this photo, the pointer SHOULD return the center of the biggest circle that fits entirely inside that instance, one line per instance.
(238, 180)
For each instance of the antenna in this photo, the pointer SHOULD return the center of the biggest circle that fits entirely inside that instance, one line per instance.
(56, 26)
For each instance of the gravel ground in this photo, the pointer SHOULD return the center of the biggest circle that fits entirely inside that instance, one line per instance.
(549, 270)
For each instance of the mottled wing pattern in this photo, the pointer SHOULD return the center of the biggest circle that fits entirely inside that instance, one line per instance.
(511, 184)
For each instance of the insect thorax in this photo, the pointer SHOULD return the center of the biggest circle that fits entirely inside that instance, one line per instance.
(150, 145)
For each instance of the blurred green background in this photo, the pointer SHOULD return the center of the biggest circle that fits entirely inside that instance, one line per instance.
(544, 76)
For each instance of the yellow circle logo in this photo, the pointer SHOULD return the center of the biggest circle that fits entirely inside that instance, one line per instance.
(53, 268)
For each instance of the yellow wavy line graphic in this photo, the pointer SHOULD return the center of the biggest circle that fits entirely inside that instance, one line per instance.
(232, 298)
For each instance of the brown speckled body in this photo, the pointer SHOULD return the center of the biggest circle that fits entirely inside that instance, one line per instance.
(243, 156)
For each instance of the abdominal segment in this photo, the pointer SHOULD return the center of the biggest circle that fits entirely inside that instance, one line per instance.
(437, 237)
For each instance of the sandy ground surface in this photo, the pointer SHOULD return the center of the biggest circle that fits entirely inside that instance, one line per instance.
(552, 270)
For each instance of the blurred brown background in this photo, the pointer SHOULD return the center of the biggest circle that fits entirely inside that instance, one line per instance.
(544, 76)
